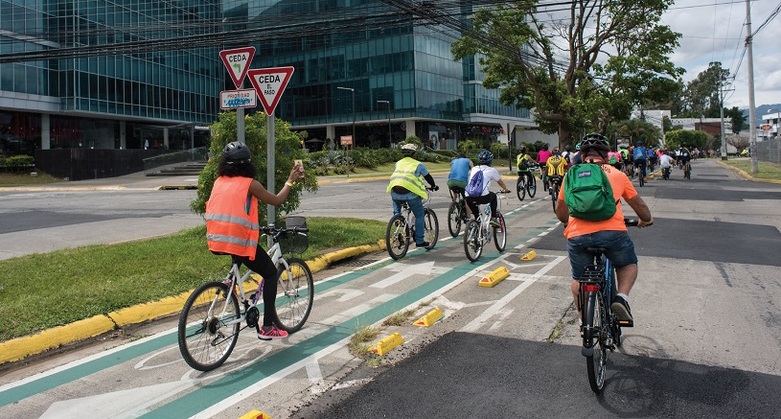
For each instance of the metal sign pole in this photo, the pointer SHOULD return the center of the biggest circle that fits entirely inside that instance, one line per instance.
(270, 217)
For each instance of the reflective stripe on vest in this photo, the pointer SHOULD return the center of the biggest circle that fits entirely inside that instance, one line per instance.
(232, 218)
(404, 176)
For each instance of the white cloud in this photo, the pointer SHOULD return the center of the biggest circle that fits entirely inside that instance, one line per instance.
(715, 31)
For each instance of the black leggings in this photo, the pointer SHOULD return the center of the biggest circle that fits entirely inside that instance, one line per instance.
(473, 202)
(263, 266)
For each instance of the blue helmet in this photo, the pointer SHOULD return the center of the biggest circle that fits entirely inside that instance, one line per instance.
(485, 157)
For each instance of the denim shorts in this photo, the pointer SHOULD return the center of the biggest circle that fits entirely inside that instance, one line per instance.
(620, 250)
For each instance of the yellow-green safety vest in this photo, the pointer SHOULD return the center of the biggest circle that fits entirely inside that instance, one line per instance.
(404, 176)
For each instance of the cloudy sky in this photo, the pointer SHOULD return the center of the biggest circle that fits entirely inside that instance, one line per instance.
(715, 30)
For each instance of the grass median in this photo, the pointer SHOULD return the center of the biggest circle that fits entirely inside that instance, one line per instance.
(40, 291)
(765, 170)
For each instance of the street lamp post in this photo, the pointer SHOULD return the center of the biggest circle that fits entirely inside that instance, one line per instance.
(352, 90)
(390, 140)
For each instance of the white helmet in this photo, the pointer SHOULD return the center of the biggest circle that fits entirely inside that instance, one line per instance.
(409, 148)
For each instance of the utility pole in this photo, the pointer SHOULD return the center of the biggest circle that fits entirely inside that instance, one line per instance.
(751, 111)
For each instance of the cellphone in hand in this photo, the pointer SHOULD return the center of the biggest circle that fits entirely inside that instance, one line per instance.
(300, 163)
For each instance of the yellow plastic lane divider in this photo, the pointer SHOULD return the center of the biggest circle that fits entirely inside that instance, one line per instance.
(385, 345)
(430, 318)
(493, 278)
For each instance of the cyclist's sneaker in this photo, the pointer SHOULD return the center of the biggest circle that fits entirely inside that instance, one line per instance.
(271, 332)
(495, 222)
(423, 244)
(623, 312)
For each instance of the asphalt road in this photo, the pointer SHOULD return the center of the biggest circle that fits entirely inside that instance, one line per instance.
(707, 340)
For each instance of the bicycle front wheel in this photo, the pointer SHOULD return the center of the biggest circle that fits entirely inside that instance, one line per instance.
(688, 172)
(520, 188)
(500, 233)
(454, 218)
(431, 233)
(473, 243)
(396, 237)
(594, 342)
(295, 295)
(209, 326)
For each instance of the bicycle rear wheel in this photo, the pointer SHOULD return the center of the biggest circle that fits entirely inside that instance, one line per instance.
(594, 342)
(396, 237)
(454, 219)
(554, 193)
(500, 233)
(687, 173)
(531, 186)
(431, 233)
(205, 338)
(473, 244)
(295, 295)
(520, 187)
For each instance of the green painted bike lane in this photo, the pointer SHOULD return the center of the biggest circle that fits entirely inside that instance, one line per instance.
(273, 364)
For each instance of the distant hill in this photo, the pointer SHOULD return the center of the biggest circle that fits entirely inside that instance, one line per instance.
(762, 110)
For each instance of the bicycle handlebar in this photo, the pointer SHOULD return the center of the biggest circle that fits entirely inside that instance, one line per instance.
(633, 222)
(277, 231)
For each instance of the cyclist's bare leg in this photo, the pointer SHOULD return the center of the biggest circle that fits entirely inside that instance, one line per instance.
(625, 277)
(575, 285)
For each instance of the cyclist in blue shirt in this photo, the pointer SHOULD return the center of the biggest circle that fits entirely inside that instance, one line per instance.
(640, 155)
(459, 174)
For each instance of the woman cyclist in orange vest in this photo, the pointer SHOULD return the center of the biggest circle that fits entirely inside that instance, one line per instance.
(232, 224)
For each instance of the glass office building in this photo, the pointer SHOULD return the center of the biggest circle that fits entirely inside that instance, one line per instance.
(146, 75)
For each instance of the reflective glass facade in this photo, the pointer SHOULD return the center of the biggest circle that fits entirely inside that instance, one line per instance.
(358, 63)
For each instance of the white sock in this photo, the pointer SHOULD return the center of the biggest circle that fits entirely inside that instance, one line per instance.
(624, 296)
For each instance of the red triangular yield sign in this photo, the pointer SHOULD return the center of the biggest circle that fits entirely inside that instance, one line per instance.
(237, 61)
(270, 83)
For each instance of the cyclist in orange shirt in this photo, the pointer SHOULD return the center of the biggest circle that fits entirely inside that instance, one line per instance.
(610, 234)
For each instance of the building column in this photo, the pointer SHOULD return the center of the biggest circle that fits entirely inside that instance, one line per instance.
(46, 131)
(410, 128)
(165, 138)
(330, 135)
(123, 135)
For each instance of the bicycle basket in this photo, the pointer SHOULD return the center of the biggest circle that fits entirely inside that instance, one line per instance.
(294, 242)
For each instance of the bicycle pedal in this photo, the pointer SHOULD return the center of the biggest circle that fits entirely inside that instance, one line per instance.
(626, 323)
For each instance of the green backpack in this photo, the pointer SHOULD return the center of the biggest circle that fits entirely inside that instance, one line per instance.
(588, 194)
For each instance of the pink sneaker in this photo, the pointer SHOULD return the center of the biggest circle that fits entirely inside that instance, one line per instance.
(271, 332)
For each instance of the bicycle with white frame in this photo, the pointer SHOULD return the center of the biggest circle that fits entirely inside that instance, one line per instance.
(212, 317)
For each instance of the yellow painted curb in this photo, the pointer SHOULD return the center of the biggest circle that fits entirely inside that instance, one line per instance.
(143, 312)
(20, 348)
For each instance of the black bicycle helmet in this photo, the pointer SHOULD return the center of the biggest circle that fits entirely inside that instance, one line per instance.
(595, 141)
(236, 152)
(485, 157)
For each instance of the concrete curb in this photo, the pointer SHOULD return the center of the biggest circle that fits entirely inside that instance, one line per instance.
(23, 347)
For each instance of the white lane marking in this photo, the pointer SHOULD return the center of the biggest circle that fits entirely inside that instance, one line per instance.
(480, 320)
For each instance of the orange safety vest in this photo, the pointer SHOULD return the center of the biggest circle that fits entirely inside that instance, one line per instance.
(232, 217)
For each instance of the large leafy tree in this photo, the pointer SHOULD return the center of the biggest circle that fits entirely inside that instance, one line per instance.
(287, 147)
(578, 69)
(702, 96)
